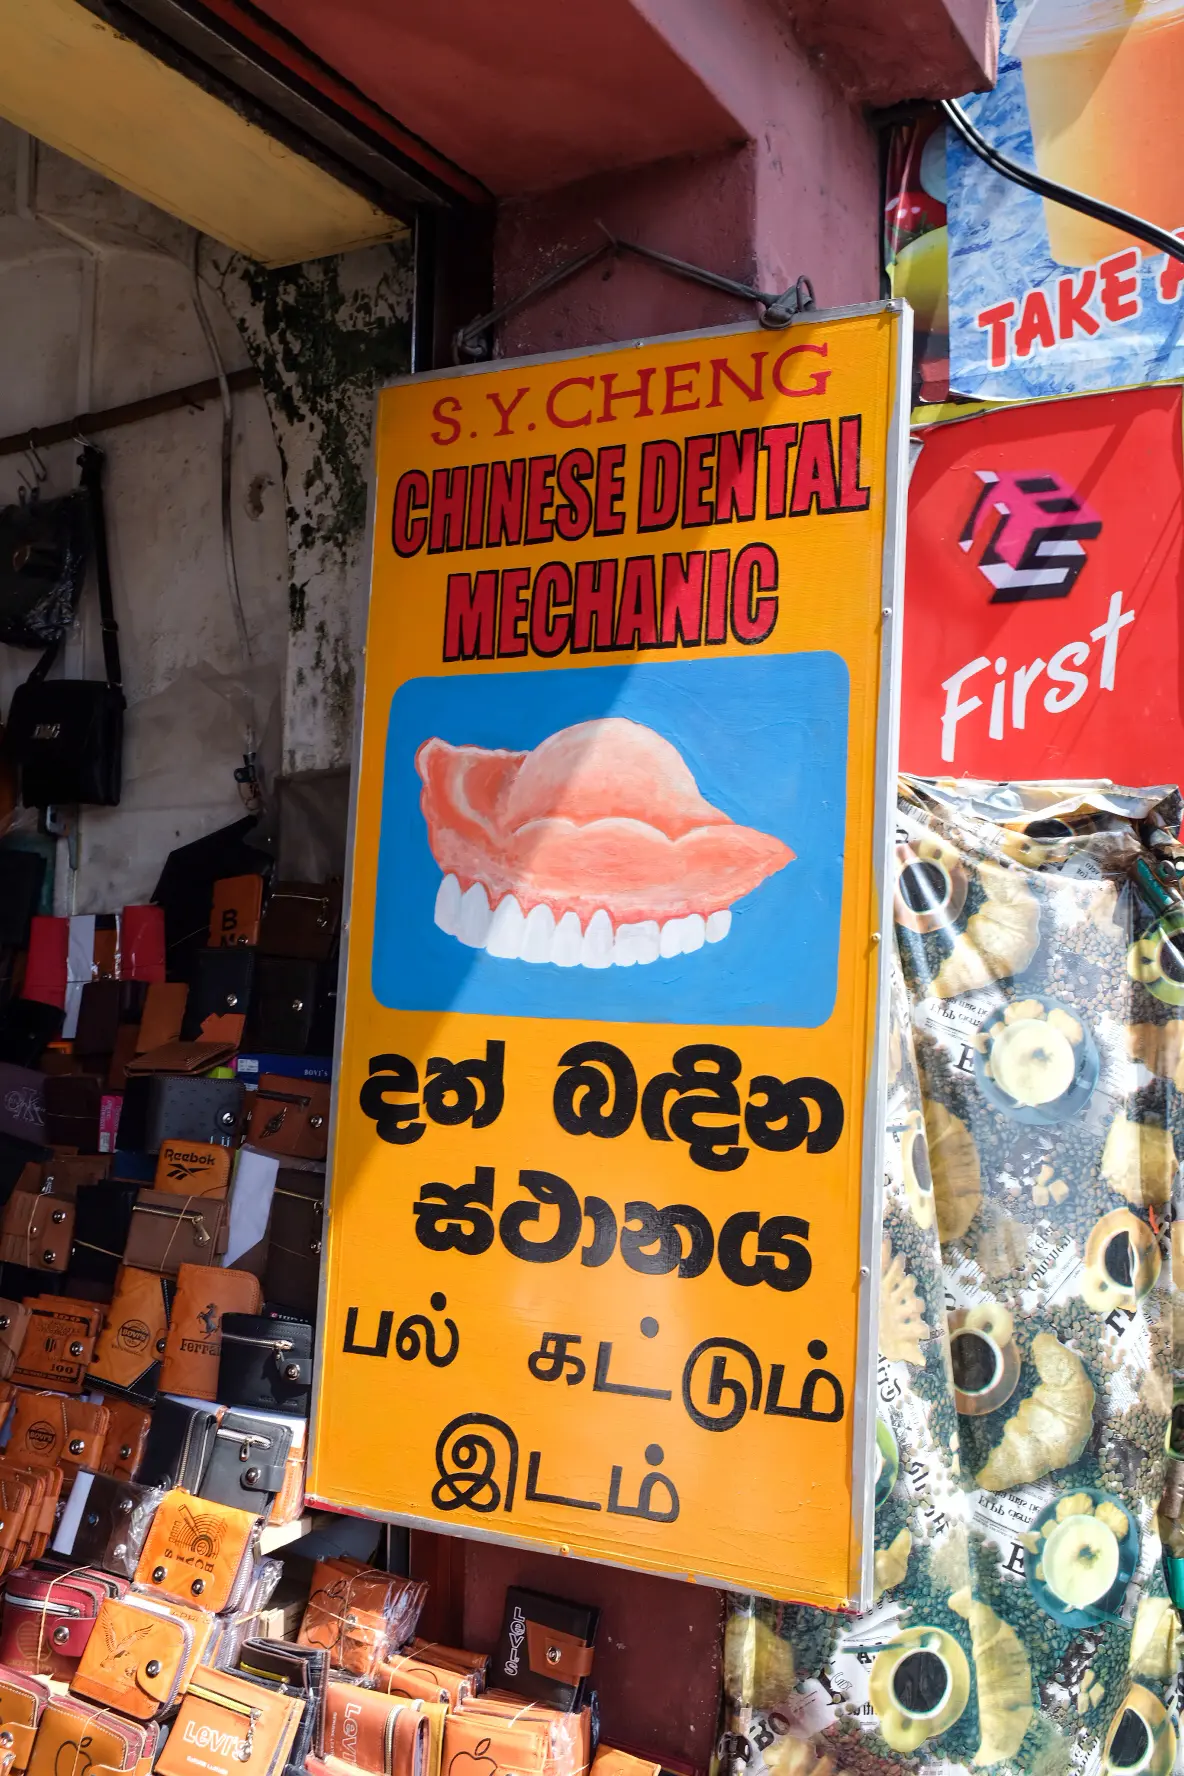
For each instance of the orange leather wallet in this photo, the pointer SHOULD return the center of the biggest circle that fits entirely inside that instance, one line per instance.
(193, 1168)
(357, 1614)
(228, 1726)
(77, 1739)
(141, 1654)
(127, 1356)
(499, 1747)
(53, 1429)
(410, 1676)
(22, 1703)
(198, 1551)
(568, 1732)
(194, 1343)
(236, 910)
(375, 1732)
(28, 1497)
(610, 1762)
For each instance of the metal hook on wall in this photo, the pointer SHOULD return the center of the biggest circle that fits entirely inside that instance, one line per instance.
(474, 342)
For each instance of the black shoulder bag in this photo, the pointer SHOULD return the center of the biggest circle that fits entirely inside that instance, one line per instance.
(66, 734)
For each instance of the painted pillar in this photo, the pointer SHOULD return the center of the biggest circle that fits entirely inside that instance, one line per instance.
(798, 194)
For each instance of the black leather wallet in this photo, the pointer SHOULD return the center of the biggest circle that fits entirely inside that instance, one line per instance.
(160, 1107)
(284, 1006)
(104, 1523)
(545, 1648)
(104, 1005)
(295, 1671)
(266, 1363)
(72, 1106)
(27, 1027)
(102, 1218)
(246, 1466)
(22, 874)
(220, 985)
(179, 1444)
(293, 1271)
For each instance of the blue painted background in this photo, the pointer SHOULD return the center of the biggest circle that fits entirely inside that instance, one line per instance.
(766, 740)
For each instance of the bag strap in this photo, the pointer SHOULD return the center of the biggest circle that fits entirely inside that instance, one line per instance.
(91, 479)
(91, 464)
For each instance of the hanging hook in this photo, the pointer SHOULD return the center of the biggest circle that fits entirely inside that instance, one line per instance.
(34, 457)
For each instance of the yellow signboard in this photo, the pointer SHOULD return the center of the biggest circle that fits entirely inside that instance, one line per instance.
(601, 1266)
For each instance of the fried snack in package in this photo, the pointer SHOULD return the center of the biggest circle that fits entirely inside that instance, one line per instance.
(1031, 1326)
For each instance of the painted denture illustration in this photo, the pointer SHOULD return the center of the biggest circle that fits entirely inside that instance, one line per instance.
(594, 850)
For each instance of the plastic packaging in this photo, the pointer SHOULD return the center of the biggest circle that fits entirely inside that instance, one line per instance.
(359, 1614)
(1021, 1617)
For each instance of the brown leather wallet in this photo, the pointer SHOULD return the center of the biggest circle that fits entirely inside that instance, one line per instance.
(198, 1551)
(22, 1703)
(228, 1726)
(381, 1734)
(289, 1500)
(416, 1679)
(63, 1174)
(182, 1057)
(162, 1016)
(289, 1116)
(14, 1317)
(168, 1231)
(36, 1231)
(193, 1168)
(77, 1739)
(194, 1343)
(126, 1436)
(52, 1430)
(142, 1653)
(127, 1356)
(58, 1343)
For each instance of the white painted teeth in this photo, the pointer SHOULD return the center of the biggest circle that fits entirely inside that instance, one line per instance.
(507, 929)
(538, 935)
(718, 925)
(448, 905)
(510, 935)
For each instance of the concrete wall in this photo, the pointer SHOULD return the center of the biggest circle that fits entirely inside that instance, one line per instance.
(300, 453)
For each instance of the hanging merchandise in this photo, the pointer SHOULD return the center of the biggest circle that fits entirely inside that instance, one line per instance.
(44, 548)
(65, 734)
(1045, 300)
(1021, 1616)
(915, 246)
(1045, 572)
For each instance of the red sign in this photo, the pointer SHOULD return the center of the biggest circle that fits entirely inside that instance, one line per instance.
(1043, 610)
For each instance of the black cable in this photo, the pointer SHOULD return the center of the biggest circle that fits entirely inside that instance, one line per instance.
(1155, 237)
